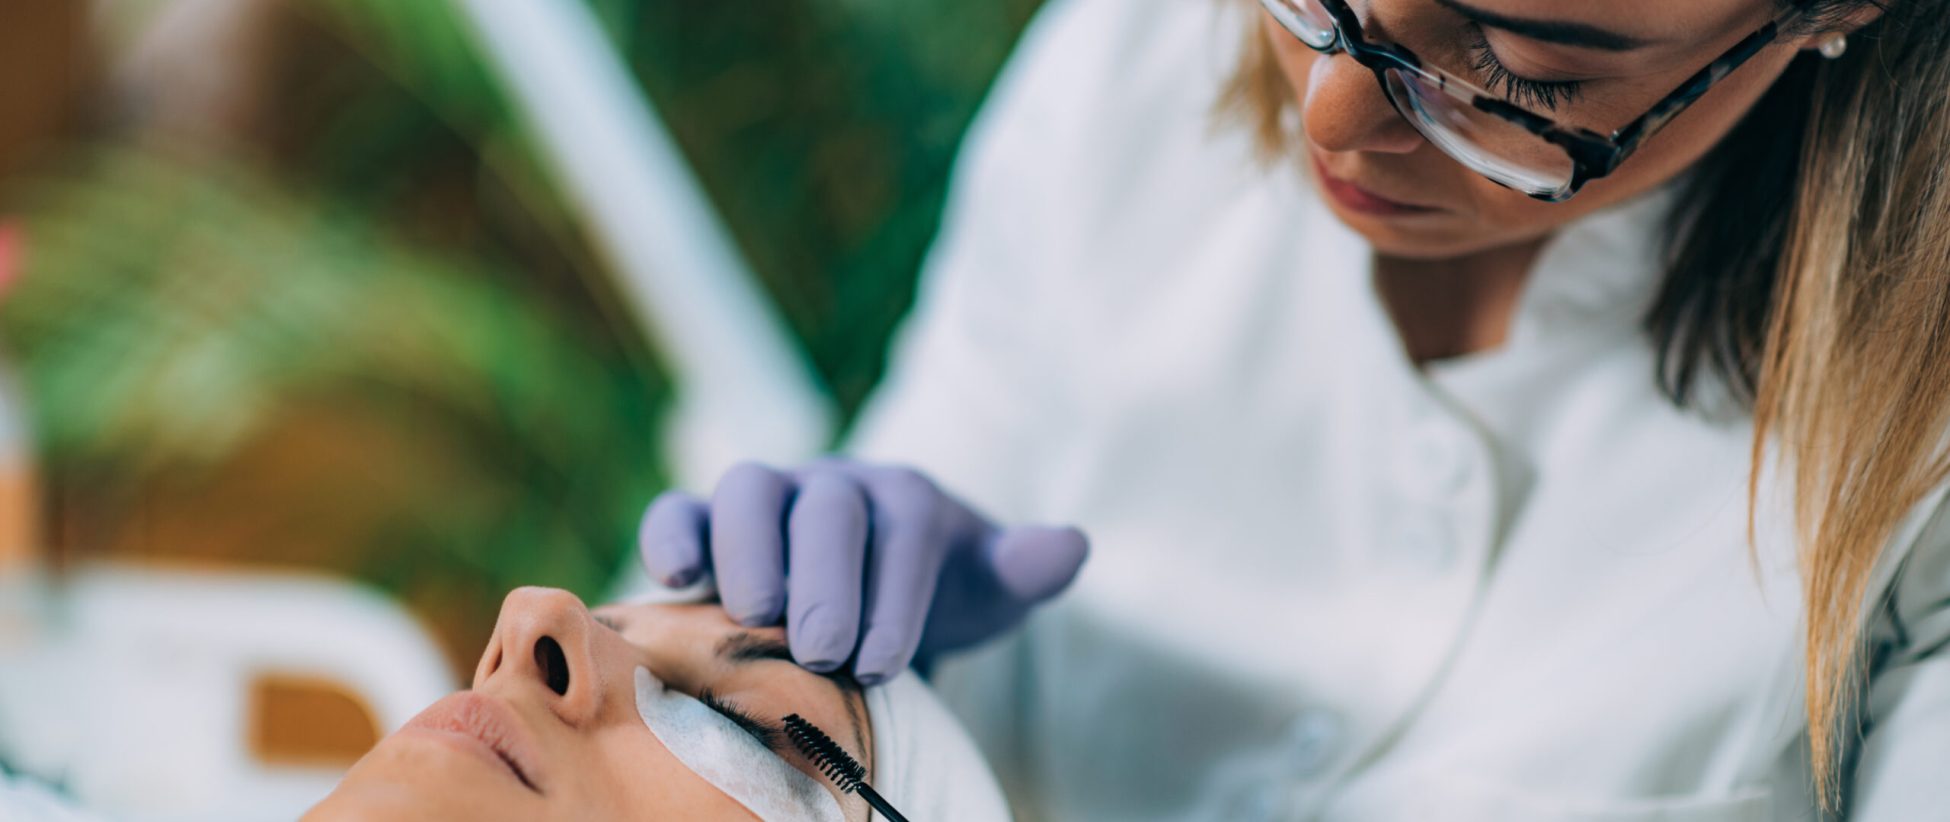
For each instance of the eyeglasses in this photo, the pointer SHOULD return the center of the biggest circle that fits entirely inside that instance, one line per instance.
(1496, 138)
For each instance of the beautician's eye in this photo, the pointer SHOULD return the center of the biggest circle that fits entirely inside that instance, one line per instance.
(608, 622)
(1522, 91)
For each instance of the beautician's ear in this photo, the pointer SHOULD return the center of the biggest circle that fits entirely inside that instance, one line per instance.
(1832, 37)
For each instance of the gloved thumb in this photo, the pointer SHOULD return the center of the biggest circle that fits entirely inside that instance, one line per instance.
(1034, 563)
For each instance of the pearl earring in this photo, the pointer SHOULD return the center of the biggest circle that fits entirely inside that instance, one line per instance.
(1834, 47)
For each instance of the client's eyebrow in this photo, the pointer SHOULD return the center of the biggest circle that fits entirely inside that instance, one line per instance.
(748, 647)
(1561, 32)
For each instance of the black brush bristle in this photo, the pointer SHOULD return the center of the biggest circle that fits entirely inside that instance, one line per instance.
(825, 754)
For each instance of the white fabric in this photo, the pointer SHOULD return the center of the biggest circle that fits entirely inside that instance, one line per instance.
(715, 748)
(24, 800)
(924, 764)
(1326, 584)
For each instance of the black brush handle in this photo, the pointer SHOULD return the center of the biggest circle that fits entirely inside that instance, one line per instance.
(880, 805)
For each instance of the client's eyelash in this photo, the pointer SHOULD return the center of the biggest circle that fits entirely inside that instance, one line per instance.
(767, 735)
(1542, 93)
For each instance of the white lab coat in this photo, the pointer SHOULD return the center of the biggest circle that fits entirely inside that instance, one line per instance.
(1327, 584)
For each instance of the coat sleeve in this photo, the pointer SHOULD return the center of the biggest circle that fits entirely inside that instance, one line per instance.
(1903, 769)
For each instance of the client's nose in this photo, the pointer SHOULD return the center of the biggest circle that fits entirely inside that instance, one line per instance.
(541, 650)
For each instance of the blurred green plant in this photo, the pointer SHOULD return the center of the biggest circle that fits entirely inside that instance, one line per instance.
(224, 307)
(377, 332)
(825, 129)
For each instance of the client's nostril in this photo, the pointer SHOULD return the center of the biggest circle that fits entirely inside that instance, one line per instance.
(554, 665)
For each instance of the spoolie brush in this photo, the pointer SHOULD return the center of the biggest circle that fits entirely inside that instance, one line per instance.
(836, 764)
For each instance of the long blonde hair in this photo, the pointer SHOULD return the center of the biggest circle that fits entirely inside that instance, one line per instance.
(1810, 275)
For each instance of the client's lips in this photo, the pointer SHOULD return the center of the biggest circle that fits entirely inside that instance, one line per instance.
(485, 726)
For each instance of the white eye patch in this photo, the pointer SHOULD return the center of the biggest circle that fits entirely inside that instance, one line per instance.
(715, 748)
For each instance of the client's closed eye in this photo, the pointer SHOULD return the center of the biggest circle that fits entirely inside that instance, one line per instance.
(743, 649)
(770, 735)
(748, 677)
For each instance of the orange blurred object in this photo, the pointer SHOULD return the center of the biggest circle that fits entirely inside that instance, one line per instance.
(9, 255)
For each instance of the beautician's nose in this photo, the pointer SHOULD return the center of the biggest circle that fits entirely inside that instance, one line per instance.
(541, 650)
(1344, 109)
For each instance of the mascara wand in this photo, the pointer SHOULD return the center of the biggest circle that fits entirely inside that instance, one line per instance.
(836, 764)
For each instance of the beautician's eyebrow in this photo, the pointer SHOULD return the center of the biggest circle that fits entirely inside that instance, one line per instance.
(1560, 32)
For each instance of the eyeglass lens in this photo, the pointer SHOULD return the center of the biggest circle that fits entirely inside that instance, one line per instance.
(1486, 143)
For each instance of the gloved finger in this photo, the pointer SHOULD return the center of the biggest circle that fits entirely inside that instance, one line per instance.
(903, 565)
(826, 540)
(671, 539)
(1033, 563)
(748, 542)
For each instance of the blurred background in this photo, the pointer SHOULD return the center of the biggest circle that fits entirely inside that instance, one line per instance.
(323, 323)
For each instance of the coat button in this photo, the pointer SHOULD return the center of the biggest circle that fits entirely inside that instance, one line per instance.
(1267, 803)
(1312, 741)
(1424, 543)
(1436, 461)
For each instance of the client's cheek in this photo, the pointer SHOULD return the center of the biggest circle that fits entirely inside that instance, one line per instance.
(616, 661)
(631, 775)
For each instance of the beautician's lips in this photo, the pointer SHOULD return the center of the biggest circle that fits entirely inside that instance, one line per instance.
(1356, 198)
(485, 726)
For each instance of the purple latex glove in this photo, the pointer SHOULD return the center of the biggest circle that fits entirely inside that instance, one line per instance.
(864, 562)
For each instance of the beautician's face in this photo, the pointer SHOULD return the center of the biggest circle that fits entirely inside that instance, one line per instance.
(1356, 136)
(527, 751)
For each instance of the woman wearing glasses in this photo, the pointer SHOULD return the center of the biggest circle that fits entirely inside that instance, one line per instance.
(1479, 410)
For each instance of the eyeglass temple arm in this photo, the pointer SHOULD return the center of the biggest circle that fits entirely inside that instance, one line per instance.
(1627, 140)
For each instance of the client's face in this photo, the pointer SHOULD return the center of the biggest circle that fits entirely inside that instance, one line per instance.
(550, 729)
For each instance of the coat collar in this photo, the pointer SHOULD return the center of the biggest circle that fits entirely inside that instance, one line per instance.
(1601, 272)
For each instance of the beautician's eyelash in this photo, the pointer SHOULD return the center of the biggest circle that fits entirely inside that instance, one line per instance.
(608, 622)
(767, 735)
(1517, 89)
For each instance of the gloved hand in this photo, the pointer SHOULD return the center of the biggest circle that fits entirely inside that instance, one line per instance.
(856, 556)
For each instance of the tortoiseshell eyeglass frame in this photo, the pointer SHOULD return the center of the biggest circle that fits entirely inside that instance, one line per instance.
(1593, 155)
